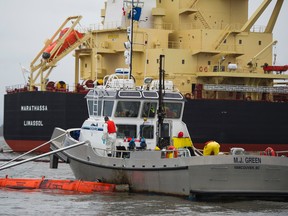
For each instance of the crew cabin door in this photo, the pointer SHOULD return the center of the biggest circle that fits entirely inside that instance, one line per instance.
(165, 134)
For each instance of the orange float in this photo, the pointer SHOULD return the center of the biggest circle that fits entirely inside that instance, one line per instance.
(67, 185)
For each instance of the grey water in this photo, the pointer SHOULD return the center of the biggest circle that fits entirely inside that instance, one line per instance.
(51, 202)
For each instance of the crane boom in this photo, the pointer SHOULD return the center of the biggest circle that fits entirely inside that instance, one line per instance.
(54, 50)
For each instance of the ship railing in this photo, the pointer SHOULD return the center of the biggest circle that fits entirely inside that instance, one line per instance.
(119, 25)
(122, 152)
(281, 153)
(258, 28)
(108, 25)
(16, 88)
(234, 27)
(242, 88)
(190, 46)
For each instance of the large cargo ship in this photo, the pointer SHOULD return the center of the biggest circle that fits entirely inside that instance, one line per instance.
(214, 53)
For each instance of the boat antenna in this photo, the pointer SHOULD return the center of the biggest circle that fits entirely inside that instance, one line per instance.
(160, 111)
(131, 38)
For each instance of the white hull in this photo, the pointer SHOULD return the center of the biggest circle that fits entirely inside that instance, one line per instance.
(149, 171)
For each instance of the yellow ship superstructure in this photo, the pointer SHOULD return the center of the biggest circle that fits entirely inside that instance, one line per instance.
(204, 42)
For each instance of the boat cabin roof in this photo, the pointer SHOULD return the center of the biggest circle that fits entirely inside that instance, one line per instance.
(133, 94)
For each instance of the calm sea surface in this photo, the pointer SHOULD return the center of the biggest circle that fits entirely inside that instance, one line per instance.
(50, 202)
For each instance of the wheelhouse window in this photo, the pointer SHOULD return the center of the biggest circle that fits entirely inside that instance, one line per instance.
(108, 107)
(94, 108)
(127, 109)
(173, 110)
(149, 110)
(128, 131)
(147, 131)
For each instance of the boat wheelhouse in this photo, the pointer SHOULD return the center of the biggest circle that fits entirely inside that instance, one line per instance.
(134, 111)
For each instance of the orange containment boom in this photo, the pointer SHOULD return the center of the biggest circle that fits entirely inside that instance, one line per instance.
(69, 185)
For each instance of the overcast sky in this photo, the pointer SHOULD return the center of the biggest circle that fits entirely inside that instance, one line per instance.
(25, 24)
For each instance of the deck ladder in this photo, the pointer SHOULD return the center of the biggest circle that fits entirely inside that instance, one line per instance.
(202, 19)
(96, 95)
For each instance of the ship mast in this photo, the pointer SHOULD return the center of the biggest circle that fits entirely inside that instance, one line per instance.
(160, 112)
(129, 45)
(131, 39)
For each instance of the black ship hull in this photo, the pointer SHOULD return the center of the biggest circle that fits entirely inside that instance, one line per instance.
(252, 125)
(30, 117)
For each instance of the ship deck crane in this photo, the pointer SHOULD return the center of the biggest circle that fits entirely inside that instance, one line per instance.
(40, 67)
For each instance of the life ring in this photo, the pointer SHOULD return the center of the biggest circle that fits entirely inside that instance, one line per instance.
(206, 69)
(269, 152)
(201, 69)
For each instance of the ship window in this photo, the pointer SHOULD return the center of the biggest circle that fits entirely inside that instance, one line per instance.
(173, 110)
(94, 108)
(129, 94)
(173, 95)
(127, 109)
(147, 61)
(165, 130)
(147, 131)
(108, 107)
(240, 41)
(183, 61)
(165, 135)
(124, 130)
(90, 107)
(259, 43)
(149, 110)
(150, 94)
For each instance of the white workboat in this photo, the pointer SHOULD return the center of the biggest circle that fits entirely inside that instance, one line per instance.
(169, 164)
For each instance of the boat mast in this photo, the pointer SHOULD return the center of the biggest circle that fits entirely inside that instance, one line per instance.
(130, 30)
(131, 39)
(129, 45)
(160, 112)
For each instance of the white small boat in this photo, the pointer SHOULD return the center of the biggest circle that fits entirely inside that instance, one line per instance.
(168, 164)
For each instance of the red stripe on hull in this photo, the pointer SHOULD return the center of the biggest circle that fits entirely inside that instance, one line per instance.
(27, 145)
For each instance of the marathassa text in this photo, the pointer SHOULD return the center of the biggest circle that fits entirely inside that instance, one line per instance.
(34, 108)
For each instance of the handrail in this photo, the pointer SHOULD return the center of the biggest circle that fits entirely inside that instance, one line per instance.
(22, 155)
(44, 155)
